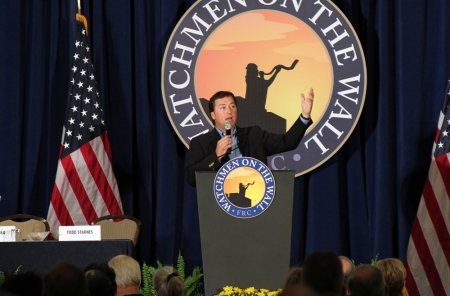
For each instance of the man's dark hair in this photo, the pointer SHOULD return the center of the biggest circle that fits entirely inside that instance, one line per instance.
(106, 269)
(22, 284)
(98, 283)
(64, 279)
(322, 272)
(366, 280)
(219, 95)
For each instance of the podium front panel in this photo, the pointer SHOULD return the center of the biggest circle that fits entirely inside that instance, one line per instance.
(245, 252)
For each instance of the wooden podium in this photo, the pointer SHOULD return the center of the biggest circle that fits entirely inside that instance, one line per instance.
(252, 252)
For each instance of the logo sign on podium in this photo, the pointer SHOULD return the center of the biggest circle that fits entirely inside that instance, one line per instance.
(80, 233)
(244, 187)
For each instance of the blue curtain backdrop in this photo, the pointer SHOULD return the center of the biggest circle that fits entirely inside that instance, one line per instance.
(360, 203)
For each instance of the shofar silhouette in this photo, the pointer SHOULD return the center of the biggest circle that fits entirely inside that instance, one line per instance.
(283, 67)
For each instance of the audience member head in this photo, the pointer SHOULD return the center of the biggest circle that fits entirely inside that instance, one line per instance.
(168, 282)
(322, 272)
(347, 267)
(128, 274)
(98, 283)
(366, 280)
(394, 275)
(22, 284)
(108, 271)
(64, 279)
(292, 285)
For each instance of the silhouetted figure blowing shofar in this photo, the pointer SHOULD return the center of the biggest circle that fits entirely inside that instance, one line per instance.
(252, 108)
(239, 199)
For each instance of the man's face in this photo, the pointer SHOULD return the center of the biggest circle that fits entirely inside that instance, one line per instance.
(225, 110)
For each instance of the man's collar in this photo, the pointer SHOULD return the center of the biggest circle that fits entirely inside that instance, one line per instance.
(222, 134)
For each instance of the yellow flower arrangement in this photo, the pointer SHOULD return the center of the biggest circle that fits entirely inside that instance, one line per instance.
(235, 291)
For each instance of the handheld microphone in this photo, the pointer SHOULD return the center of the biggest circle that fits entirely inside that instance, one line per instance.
(228, 133)
(242, 143)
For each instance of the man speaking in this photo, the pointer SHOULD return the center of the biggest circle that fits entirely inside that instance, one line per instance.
(208, 152)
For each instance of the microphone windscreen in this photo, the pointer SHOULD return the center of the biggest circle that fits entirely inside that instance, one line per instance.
(228, 128)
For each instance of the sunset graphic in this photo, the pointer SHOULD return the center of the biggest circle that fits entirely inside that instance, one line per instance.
(267, 38)
(245, 175)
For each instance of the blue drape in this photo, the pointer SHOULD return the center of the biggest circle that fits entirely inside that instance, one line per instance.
(360, 203)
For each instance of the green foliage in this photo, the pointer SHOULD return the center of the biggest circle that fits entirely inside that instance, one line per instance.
(2, 277)
(17, 269)
(2, 274)
(192, 283)
(180, 265)
(147, 286)
(374, 260)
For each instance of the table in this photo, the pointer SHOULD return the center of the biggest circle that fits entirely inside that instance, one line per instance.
(40, 256)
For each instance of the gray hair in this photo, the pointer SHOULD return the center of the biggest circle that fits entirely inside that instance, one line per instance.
(128, 271)
(348, 271)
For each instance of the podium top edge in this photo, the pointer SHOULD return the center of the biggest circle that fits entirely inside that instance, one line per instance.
(215, 172)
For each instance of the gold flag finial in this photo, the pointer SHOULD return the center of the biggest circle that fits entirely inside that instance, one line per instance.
(82, 19)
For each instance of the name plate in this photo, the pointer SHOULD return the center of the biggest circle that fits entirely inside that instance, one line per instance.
(7, 233)
(80, 233)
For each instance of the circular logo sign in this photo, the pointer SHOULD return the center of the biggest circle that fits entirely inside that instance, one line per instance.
(244, 187)
(267, 52)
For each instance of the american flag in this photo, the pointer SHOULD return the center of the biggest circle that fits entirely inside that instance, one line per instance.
(85, 186)
(428, 256)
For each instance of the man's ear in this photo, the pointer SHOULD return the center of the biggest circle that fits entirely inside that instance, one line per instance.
(213, 115)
